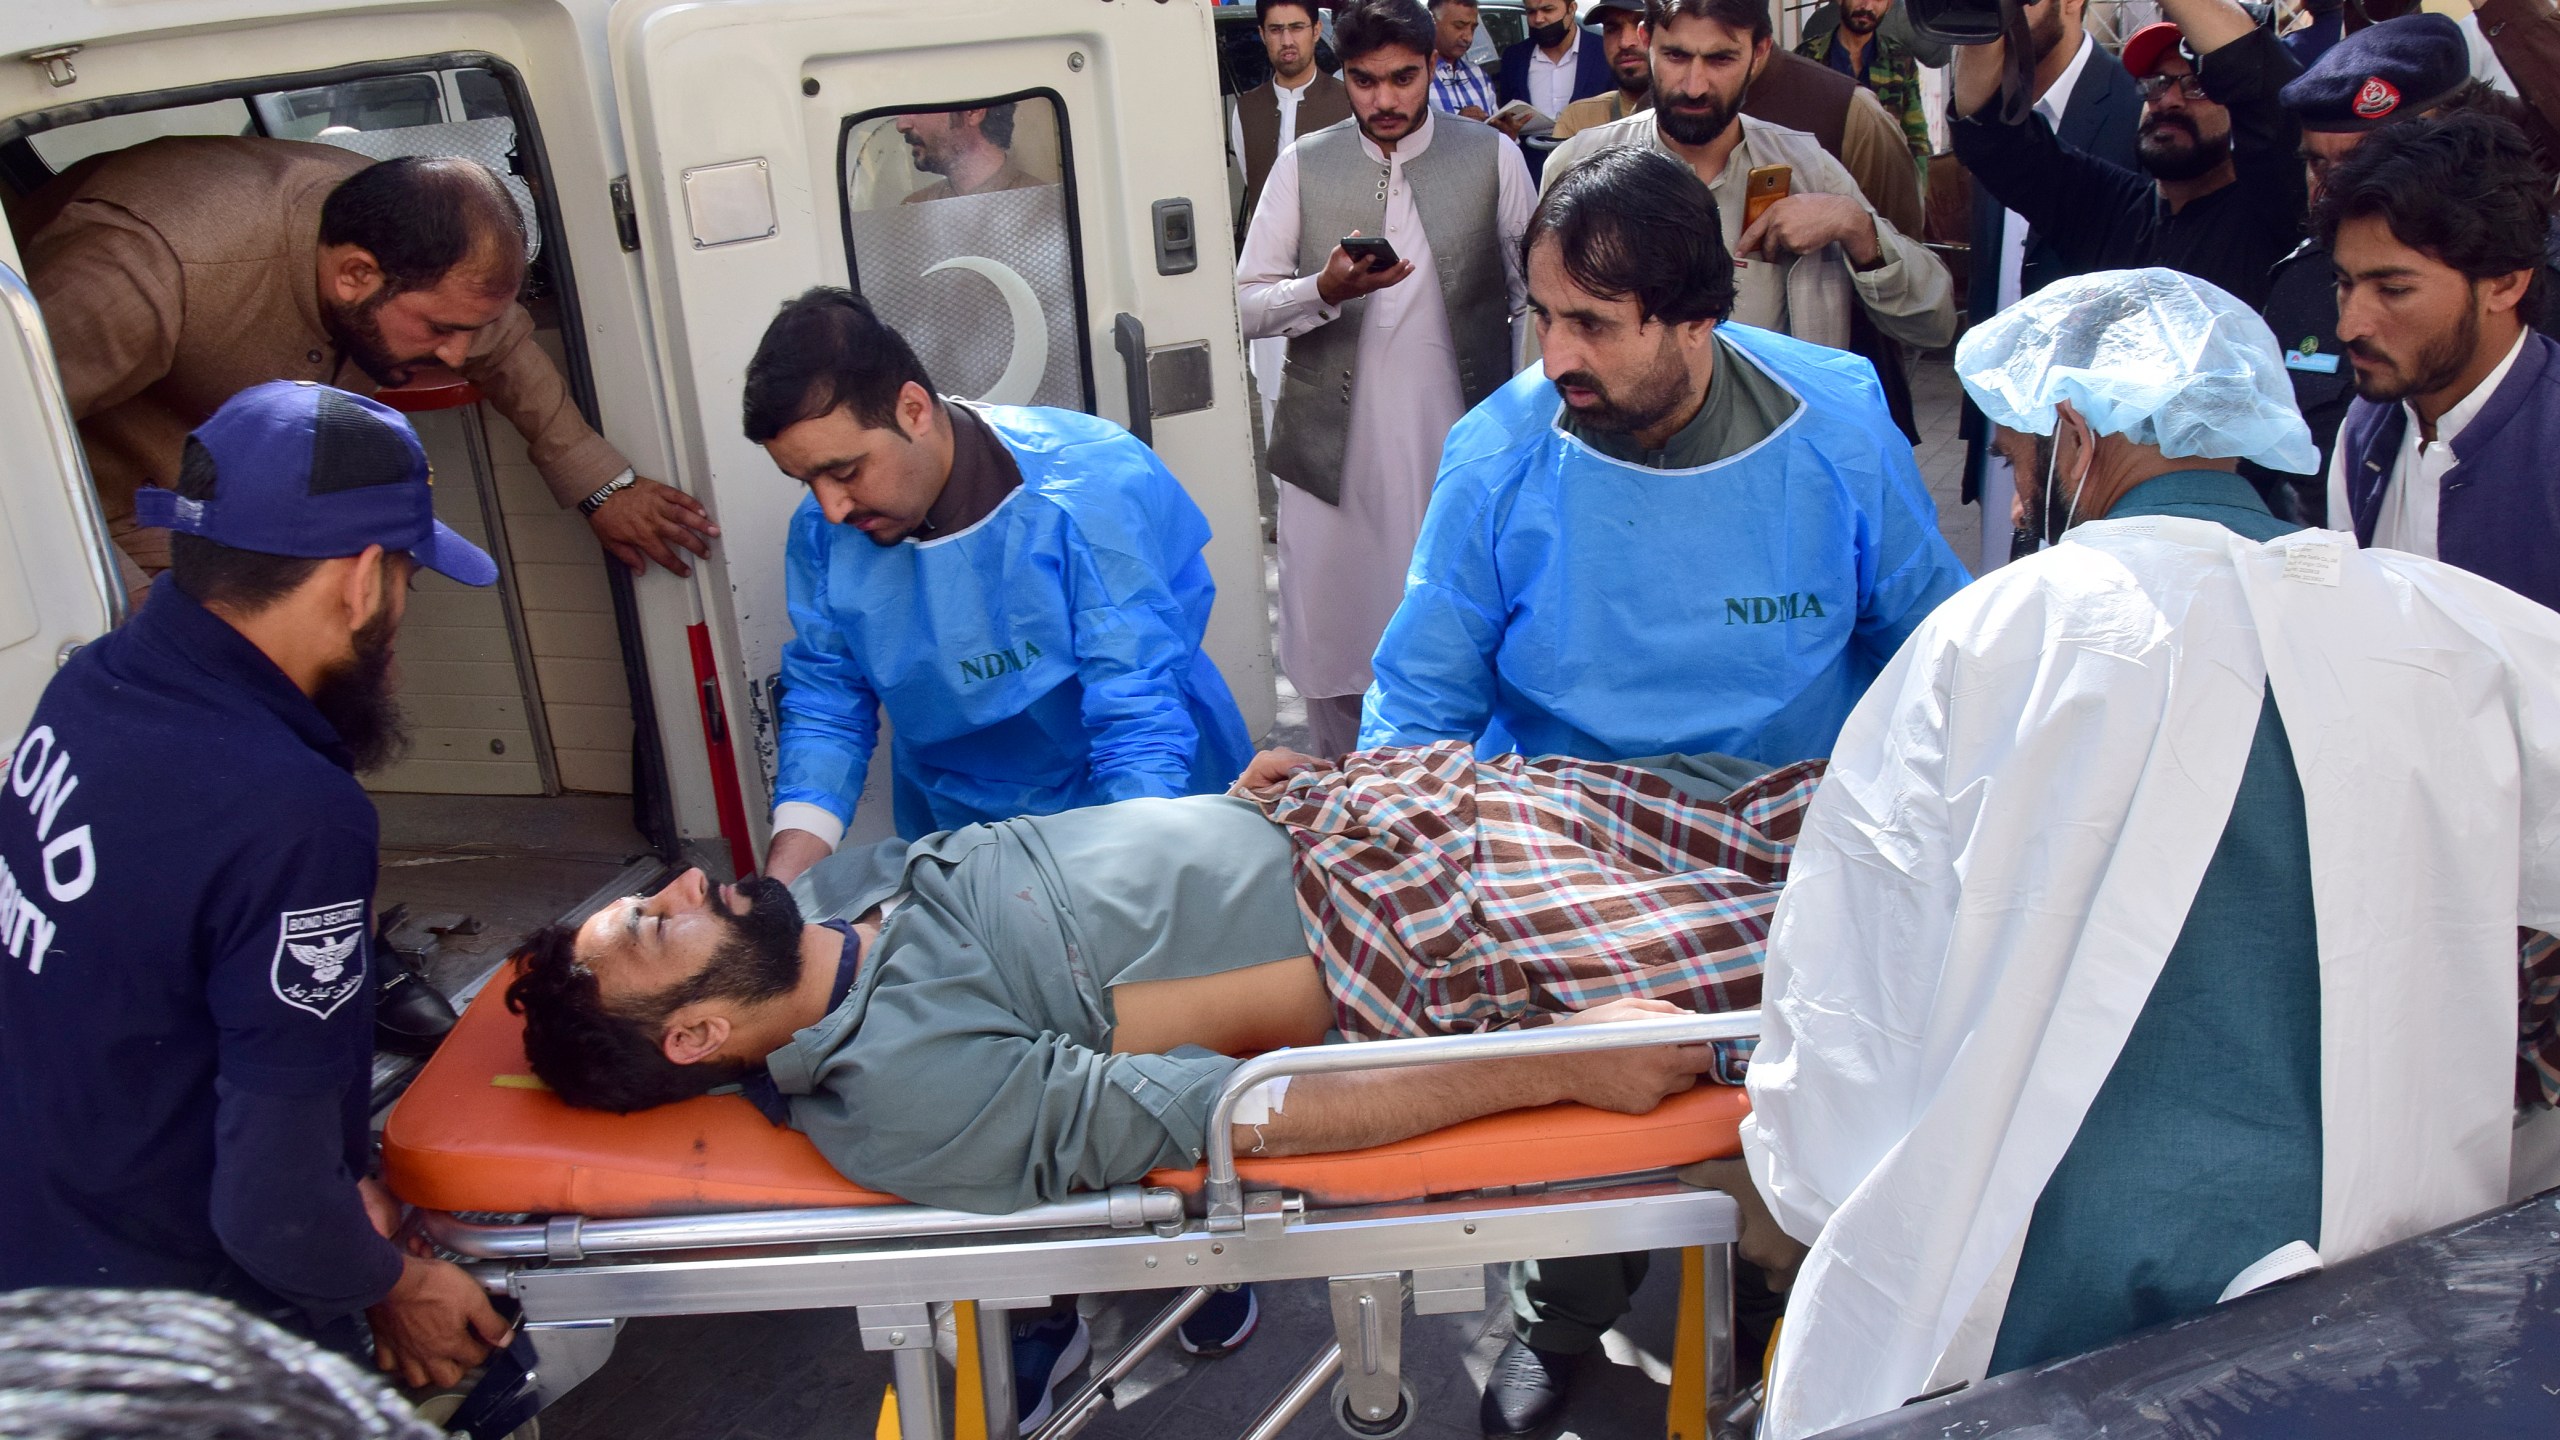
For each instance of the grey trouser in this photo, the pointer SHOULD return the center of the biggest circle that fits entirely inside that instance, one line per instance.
(1564, 1305)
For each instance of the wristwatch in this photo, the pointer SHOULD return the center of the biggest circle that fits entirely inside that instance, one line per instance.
(612, 487)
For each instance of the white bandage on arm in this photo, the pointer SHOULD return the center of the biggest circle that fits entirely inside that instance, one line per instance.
(1263, 1101)
(815, 819)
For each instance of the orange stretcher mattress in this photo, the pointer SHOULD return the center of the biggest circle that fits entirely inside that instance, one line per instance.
(475, 1132)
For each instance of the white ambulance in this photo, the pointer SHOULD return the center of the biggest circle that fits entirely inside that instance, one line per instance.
(689, 165)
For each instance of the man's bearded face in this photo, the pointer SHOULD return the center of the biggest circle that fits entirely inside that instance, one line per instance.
(1701, 72)
(759, 958)
(1861, 17)
(2182, 138)
(357, 332)
(2429, 362)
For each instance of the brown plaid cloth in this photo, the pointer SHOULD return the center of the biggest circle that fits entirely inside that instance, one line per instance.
(1452, 894)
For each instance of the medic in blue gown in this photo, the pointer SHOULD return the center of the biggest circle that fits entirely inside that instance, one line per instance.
(1021, 590)
(1682, 536)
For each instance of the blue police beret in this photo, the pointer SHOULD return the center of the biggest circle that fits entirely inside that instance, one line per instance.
(2381, 73)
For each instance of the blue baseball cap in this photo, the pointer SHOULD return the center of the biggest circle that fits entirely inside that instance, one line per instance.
(305, 470)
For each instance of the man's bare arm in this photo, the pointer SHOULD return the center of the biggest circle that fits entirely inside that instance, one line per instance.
(1356, 1109)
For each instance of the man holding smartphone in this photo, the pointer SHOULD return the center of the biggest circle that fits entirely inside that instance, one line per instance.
(1816, 252)
(1387, 348)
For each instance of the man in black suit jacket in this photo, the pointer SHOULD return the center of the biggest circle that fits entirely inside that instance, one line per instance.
(2099, 109)
(1553, 31)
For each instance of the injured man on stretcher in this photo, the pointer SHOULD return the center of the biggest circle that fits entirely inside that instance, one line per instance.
(1004, 1013)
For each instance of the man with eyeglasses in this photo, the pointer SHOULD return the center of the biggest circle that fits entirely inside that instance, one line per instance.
(2219, 194)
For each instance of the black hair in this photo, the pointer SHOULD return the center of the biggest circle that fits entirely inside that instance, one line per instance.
(1633, 221)
(84, 1364)
(1262, 10)
(1746, 15)
(997, 125)
(215, 575)
(827, 348)
(2478, 97)
(1364, 27)
(594, 1055)
(2466, 190)
(421, 216)
(1436, 4)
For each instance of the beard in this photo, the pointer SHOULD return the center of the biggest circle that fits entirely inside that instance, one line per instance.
(358, 335)
(358, 700)
(1696, 119)
(760, 959)
(1405, 121)
(1858, 22)
(2169, 159)
(2047, 31)
(2061, 502)
(1641, 403)
(927, 158)
(2439, 363)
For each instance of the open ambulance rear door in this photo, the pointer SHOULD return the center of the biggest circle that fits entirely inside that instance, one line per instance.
(779, 144)
(58, 584)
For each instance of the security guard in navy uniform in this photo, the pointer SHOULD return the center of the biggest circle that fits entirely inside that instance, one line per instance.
(186, 879)
(2396, 70)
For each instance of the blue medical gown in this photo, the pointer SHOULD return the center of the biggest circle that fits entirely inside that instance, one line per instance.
(1564, 603)
(1045, 658)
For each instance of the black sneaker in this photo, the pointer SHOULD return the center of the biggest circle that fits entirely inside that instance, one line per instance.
(1524, 1396)
(410, 1017)
(1222, 1324)
(1045, 1351)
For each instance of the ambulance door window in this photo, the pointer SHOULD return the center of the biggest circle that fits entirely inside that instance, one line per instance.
(960, 229)
(384, 102)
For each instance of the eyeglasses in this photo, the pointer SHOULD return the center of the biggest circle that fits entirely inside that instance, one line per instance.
(2152, 87)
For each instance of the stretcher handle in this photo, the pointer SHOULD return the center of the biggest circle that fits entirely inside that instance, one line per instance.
(1226, 1193)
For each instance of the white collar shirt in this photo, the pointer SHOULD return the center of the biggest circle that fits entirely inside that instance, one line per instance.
(2052, 105)
(1551, 81)
(2413, 494)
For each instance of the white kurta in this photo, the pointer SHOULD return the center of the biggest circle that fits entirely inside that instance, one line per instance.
(2015, 821)
(2412, 496)
(1265, 357)
(1342, 566)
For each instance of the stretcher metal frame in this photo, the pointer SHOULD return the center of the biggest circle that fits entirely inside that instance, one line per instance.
(577, 1279)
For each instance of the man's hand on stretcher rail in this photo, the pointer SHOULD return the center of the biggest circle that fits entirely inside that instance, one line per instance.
(1353, 1110)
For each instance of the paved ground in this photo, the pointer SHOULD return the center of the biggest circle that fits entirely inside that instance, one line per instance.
(514, 863)
(788, 1376)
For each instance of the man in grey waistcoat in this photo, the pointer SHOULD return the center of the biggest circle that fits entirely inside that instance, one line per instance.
(1382, 361)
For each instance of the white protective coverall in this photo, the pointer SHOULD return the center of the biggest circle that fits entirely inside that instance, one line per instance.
(2015, 822)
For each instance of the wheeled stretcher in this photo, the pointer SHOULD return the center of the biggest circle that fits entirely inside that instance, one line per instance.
(705, 1208)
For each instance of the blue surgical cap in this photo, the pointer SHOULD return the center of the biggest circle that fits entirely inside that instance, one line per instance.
(2155, 356)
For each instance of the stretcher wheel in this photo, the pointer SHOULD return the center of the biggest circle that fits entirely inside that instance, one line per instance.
(1386, 1429)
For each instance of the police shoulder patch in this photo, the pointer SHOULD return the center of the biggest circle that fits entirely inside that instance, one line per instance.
(319, 959)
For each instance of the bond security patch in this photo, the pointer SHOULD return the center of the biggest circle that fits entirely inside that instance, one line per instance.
(2377, 98)
(319, 960)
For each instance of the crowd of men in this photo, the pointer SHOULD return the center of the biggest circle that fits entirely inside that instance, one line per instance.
(1588, 403)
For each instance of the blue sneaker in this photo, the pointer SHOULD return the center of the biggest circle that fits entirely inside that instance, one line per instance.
(1045, 1351)
(1222, 1323)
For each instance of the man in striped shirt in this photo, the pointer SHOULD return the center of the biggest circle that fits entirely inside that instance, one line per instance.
(1458, 87)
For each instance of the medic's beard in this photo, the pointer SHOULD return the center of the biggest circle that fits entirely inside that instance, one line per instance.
(1655, 398)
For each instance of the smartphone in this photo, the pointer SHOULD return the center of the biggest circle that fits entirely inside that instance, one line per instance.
(1766, 186)
(1374, 251)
